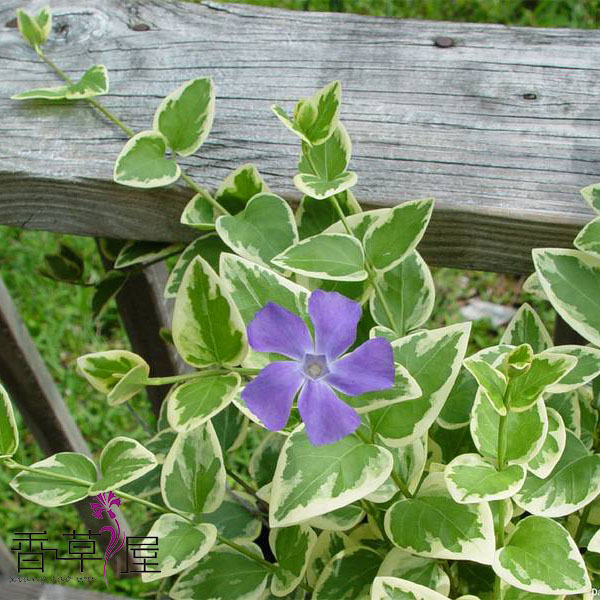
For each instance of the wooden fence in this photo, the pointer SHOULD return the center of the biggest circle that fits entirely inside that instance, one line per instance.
(500, 124)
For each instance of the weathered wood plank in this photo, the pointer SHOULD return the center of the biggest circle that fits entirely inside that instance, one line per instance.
(8, 567)
(502, 127)
(12, 589)
(30, 385)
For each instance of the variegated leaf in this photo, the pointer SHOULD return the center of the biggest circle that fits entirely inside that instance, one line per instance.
(456, 412)
(45, 490)
(9, 434)
(572, 483)
(262, 230)
(325, 256)
(348, 576)
(392, 237)
(433, 358)
(195, 402)
(239, 186)
(328, 544)
(199, 212)
(409, 292)
(567, 405)
(526, 327)
(292, 547)
(264, 459)
(225, 574)
(432, 524)
(533, 286)
(237, 518)
(193, 476)
(471, 479)
(128, 386)
(525, 431)
(571, 280)
(181, 544)
(142, 162)
(341, 519)
(594, 543)
(209, 247)
(186, 115)
(311, 481)
(136, 252)
(315, 118)
(207, 326)
(231, 427)
(493, 383)
(36, 29)
(586, 369)
(122, 460)
(542, 464)
(591, 194)
(314, 216)
(553, 566)
(394, 588)
(104, 370)
(417, 569)
(588, 239)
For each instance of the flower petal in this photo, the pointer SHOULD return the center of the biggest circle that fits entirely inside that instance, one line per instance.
(367, 369)
(335, 319)
(276, 329)
(270, 395)
(327, 418)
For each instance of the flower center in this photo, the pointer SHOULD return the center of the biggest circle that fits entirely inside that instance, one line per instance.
(315, 366)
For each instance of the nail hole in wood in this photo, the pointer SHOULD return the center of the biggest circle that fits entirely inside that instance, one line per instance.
(140, 27)
(12, 24)
(443, 41)
(529, 96)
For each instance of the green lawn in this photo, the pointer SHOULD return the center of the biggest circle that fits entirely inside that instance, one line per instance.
(59, 316)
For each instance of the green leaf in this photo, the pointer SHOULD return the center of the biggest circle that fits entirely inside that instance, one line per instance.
(329, 543)
(326, 256)
(348, 576)
(137, 252)
(591, 194)
(567, 405)
(94, 82)
(471, 479)
(207, 326)
(456, 412)
(265, 228)
(409, 293)
(231, 427)
(445, 444)
(193, 476)
(525, 431)
(47, 491)
(545, 370)
(571, 280)
(572, 483)
(314, 480)
(223, 573)
(186, 115)
(57, 92)
(492, 382)
(319, 188)
(104, 370)
(314, 216)
(44, 22)
(30, 28)
(199, 212)
(264, 459)
(9, 434)
(405, 388)
(236, 518)
(195, 402)
(586, 369)
(392, 237)
(432, 524)
(589, 416)
(416, 569)
(65, 265)
(132, 382)
(122, 460)
(291, 546)
(142, 162)
(209, 247)
(433, 358)
(545, 460)
(394, 588)
(527, 328)
(110, 285)
(239, 186)
(541, 557)
(316, 118)
(181, 544)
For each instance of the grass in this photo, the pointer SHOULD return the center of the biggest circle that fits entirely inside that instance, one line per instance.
(59, 316)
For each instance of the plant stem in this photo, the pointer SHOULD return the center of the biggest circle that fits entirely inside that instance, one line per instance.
(582, 523)
(247, 487)
(127, 130)
(501, 456)
(197, 374)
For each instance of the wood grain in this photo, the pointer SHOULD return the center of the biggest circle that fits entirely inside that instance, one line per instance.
(12, 589)
(502, 127)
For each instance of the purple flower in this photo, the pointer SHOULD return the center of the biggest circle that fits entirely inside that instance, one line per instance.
(104, 504)
(317, 368)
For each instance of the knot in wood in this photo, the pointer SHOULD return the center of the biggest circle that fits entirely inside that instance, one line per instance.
(443, 41)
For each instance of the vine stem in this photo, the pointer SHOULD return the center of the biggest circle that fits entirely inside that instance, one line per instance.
(501, 455)
(127, 130)
(582, 523)
(197, 374)
(11, 464)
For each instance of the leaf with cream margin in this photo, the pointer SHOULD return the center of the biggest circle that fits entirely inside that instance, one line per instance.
(541, 557)
(394, 588)
(9, 434)
(434, 359)
(572, 484)
(586, 369)
(472, 479)
(313, 480)
(328, 544)
(526, 327)
(433, 524)
(545, 460)
(588, 239)
(493, 383)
